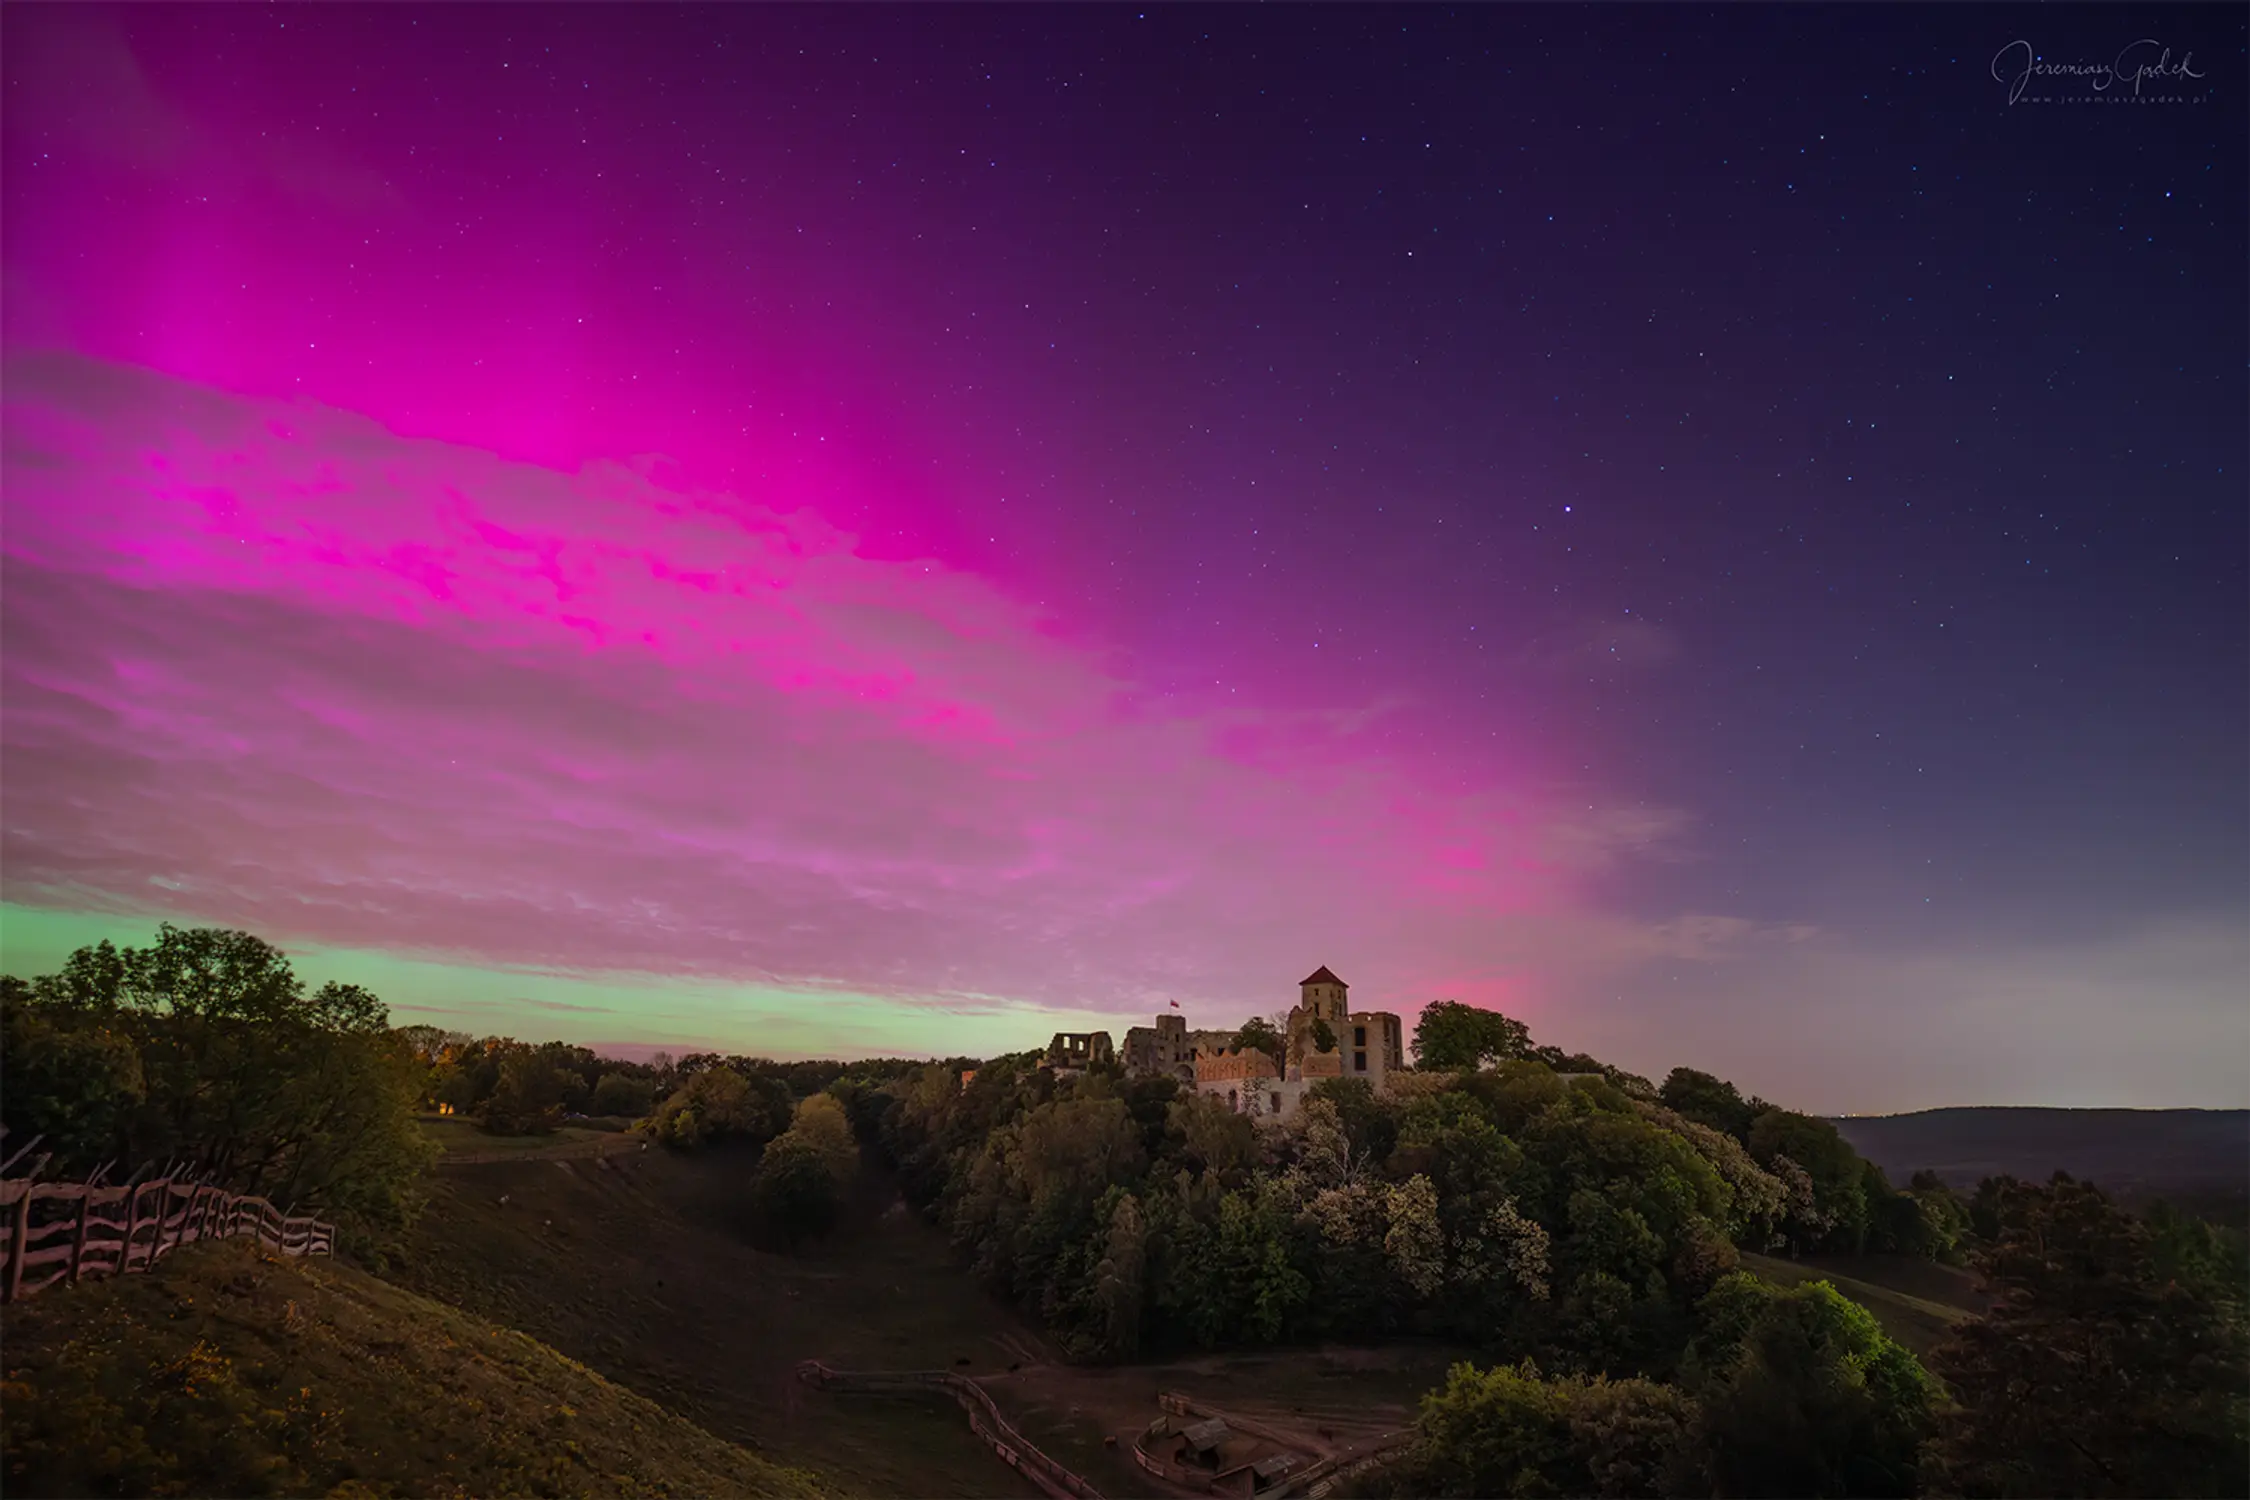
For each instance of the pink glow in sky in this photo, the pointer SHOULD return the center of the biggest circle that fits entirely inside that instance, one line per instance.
(277, 666)
(644, 505)
(398, 654)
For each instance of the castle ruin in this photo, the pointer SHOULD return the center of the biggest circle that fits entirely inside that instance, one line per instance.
(1324, 1038)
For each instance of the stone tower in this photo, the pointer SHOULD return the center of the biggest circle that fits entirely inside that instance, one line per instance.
(1324, 996)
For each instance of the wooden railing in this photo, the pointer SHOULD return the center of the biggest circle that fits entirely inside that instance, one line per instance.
(999, 1434)
(67, 1231)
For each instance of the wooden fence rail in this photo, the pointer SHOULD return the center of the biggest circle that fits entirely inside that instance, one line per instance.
(64, 1231)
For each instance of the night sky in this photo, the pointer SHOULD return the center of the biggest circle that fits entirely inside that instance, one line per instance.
(901, 530)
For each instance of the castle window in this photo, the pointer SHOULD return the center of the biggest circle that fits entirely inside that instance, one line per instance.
(1277, 1104)
(1359, 1036)
(1359, 1062)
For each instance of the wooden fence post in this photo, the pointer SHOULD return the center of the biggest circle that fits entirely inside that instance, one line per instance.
(163, 1222)
(20, 1232)
(209, 1212)
(78, 1241)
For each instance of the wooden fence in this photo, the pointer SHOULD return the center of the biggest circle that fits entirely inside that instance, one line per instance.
(999, 1434)
(67, 1231)
(1316, 1481)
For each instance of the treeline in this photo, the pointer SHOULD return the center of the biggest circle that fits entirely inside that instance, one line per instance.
(2112, 1363)
(793, 1112)
(1579, 1221)
(509, 1087)
(206, 1050)
(1583, 1233)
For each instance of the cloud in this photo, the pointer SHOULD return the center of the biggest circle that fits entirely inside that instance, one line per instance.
(532, 1002)
(271, 665)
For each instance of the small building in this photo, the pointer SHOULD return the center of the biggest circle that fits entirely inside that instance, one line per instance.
(1272, 1467)
(1202, 1443)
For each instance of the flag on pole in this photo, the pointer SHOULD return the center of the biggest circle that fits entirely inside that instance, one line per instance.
(1175, 1005)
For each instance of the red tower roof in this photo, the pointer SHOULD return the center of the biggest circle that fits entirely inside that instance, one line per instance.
(1322, 975)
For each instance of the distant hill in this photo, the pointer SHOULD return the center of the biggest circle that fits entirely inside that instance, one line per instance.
(2191, 1154)
(232, 1372)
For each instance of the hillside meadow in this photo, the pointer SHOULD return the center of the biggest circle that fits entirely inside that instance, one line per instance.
(236, 1372)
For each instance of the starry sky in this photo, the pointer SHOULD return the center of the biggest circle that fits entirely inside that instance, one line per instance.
(859, 530)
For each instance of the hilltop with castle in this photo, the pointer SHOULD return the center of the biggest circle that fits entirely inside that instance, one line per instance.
(1324, 1038)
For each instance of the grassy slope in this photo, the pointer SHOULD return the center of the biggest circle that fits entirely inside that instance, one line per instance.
(639, 1265)
(459, 1137)
(234, 1372)
(1916, 1302)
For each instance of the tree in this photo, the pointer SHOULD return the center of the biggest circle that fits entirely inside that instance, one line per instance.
(1945, 1218)
(720, 1103)
(2199, 1253)
(1323, 1035)
(1118, 1284)
(528, 1097)
(1414, 1244)
(1368, 1120)
(1639, 1439)
(2095, 1372)
(1259, 1033)
(821, 1121)
(794, 1195)
(1759, 1197)
(1815, 1400)
(305, 1097)
(1709, 1101)
(1837, 1214)
(1212, 1137)
(1453, 1035)
(618, 1094)
(799, 1187)
(1253, 1264)
(77, 1086)
(1497, 1432)
(1513, 1432)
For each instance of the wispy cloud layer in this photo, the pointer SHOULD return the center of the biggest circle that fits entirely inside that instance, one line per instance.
(631, 764)
(275, 666)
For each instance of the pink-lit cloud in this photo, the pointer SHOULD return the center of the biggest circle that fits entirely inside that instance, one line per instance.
(269, 664)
